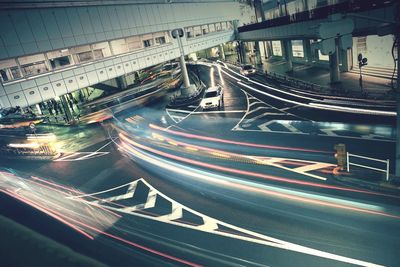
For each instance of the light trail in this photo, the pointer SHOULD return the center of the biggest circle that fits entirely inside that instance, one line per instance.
(76, 224)
(310, 105)
(246, 173)
(218, 140)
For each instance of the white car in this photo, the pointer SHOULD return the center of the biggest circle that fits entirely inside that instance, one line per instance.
(213, 97)
(247, 70)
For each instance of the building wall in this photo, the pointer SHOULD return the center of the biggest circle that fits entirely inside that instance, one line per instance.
(378, 50)
(33, 31)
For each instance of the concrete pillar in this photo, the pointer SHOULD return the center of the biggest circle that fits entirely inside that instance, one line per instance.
(334, 64)
(308, 56)
(287, 48)
(184, 71)
(257, 51)
(39, 110)
(65, 105)
(221, 51)
(243, 52)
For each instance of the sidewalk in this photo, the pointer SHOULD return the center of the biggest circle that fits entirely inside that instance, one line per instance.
(369, 180)
(373, 86)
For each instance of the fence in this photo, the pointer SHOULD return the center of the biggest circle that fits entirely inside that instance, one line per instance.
(348, 155)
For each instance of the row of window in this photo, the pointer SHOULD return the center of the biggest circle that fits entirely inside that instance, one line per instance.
(297, 49)
(12, 69)
(200, 30)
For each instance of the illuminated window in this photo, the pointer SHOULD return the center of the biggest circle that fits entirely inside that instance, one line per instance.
(297, 48)
(277, 48)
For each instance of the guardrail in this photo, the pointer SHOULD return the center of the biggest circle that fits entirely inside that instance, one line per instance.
(386, 170)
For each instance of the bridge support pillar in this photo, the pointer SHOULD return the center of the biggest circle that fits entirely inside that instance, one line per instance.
(65, 104)
(308, 56)
(334, 64)
(258, 52)
(287, 51)
(242, 51)
(221, 52)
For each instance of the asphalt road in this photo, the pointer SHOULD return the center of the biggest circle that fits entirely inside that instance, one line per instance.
(212, 188)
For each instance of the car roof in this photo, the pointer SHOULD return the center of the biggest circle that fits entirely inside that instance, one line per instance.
(212, 88)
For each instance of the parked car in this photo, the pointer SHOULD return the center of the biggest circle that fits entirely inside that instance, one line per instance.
(213, 97)
(247, 70)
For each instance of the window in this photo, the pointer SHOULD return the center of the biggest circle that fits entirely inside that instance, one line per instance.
(34, 68)
(101, 50)
(147, 43)
(9, 70)
(297, 48)
(223, 26)
(32, 65)
(204, 29)
(197, 31)
(59, 58)
(276, 48)
(322, 57)
(85, 56)
(59, 62)
(211, 27)
(15, 72)
(98, 53)
(81, 53)
(218, 26)
(189, 32)
(160, 40)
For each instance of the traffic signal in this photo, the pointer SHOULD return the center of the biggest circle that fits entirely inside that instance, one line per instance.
(340, 155)
(362, 61)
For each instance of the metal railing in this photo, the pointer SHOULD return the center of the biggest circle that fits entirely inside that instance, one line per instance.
(386, 170)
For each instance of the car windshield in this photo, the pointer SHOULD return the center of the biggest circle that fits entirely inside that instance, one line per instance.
(211, 94)
(248, 67)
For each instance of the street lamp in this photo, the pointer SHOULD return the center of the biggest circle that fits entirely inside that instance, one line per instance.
(362, 61)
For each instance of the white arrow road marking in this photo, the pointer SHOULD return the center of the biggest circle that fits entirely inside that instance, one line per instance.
(210, 225)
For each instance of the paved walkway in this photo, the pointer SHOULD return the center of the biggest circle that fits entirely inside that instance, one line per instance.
(373, 86)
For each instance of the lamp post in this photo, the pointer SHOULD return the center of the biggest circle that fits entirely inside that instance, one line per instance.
(362, 61)
(177, 34)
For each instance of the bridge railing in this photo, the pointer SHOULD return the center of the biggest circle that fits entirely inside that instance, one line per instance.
(318, 13)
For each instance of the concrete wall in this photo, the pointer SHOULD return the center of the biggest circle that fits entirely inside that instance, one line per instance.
(30, 31)
(378, 51)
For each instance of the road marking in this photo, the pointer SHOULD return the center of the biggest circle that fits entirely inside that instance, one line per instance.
(219, 111)
(212, 225)
(178, 110)
(256, 109)
(313, 167)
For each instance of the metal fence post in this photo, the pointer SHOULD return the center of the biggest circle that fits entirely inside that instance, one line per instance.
(387, 170)
(347, 162)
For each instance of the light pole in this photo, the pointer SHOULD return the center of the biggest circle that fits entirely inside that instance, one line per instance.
(177, 34)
